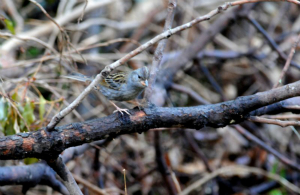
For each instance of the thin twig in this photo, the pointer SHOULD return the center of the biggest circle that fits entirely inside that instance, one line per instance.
(271, 41)
(288, 61)
(281, 123)
(48, 16)
(25, 38)
(89, 185)
(295, 131)
(285, 116)
(125, 187)
(82, 14)
(103, 21)
(107, 43)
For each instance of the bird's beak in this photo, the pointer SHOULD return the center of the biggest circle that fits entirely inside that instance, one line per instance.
(145, 83)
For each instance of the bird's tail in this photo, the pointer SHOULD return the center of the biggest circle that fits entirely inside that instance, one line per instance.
(78, 77)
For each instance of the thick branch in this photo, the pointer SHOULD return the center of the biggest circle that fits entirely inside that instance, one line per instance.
(30, 176)
(43, 145)
(40, 173)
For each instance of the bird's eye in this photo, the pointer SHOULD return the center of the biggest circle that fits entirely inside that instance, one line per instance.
(139, 77)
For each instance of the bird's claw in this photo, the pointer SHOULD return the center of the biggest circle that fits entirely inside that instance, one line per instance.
(122, 110)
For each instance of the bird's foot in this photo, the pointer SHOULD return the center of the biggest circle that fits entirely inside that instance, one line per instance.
(121, 110)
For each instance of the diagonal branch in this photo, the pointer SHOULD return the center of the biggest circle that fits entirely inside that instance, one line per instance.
(271, 41)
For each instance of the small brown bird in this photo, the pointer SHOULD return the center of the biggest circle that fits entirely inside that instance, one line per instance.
(121, 86)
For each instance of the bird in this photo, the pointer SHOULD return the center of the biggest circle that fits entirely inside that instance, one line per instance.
(121, 86)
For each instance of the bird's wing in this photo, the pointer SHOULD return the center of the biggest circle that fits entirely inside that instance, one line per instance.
(115, 81)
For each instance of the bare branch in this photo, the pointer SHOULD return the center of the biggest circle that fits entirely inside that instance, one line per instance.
(60, 168)
(30, 176)
(41, 144)
(156, 62)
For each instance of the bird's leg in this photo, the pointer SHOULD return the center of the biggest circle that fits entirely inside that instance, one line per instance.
(121, 110)
(136, 103)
